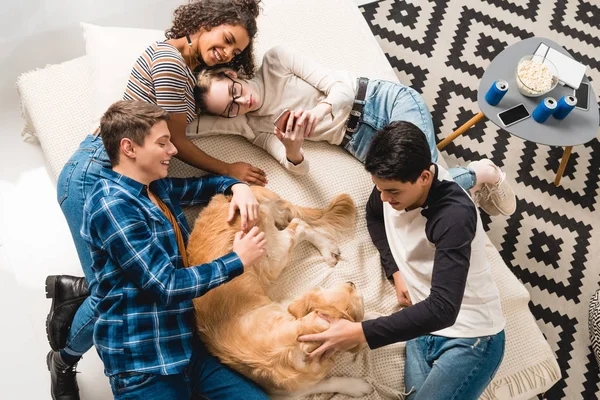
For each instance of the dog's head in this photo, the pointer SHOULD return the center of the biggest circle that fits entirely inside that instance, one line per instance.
(339, 301)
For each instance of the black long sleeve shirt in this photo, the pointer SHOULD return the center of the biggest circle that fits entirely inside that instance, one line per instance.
(450, 225)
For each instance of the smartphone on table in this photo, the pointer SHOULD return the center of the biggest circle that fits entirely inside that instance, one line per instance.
(513, 115)
(582, 94)
(282, 120)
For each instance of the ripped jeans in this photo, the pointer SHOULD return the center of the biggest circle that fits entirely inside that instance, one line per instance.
(439, 367)
(386, 102)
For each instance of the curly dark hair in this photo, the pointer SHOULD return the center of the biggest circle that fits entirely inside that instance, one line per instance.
(207, 14)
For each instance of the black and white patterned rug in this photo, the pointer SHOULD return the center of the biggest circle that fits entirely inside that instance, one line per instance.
(441, 48)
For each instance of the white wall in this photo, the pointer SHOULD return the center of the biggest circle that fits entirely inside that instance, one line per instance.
(34, 33)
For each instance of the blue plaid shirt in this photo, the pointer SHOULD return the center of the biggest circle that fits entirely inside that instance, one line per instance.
(144, 294)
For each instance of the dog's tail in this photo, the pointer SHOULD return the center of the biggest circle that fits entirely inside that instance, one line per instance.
(333, 220)
(338, 216)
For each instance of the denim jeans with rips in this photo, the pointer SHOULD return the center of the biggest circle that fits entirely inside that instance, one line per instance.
(442, 368)
(386, 102)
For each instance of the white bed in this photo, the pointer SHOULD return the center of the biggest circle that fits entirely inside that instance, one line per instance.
(60, 103)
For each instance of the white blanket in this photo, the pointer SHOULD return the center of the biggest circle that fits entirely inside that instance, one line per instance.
(57, 101)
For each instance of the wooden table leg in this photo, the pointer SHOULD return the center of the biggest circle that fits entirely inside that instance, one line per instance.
(460, 130)
(563, 165)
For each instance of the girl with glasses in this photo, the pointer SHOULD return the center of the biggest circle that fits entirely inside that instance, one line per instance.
(335, 107)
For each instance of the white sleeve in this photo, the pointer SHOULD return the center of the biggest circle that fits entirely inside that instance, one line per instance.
(274, 147)
(327, 81)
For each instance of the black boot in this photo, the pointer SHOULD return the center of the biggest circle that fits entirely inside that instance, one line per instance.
(63, 382)
(67, 294)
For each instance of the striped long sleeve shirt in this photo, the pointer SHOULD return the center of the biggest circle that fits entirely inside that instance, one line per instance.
(161, 76)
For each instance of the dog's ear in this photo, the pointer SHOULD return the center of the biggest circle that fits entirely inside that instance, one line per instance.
(299, 307)
(306, 303)
(297, 358)
(308, 347)
(311, 323)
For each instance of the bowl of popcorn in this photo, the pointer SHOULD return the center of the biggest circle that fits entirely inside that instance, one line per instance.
(535, 76)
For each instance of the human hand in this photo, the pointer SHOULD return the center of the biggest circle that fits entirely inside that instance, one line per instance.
(292, 138)
(250, 247)
(311, 118)
(244, 200)
(401, 290)
(247, 173)
(342, 335)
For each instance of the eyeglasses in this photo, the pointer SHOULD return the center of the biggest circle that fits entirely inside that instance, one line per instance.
(233, 109)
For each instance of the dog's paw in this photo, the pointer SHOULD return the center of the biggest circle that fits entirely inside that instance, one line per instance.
(333, 256)
(358, 387)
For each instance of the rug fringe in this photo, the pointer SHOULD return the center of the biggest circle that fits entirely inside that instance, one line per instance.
(531, 378)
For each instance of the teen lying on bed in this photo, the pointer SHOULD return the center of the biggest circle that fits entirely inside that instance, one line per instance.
(331, 106)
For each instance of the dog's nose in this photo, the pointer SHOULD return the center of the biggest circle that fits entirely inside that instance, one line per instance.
(351, 284)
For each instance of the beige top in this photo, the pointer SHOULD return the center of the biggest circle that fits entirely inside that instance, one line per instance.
(290, 80)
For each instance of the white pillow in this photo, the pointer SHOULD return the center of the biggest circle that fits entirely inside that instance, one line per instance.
(112, 53)
(209, 125)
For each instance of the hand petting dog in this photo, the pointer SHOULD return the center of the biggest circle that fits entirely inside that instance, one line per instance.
(244, 200)
(250, 247)
(342, 335)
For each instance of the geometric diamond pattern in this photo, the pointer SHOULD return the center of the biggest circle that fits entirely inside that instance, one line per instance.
(553, 265)
(588, 14)
(552, 243)
(529, 10)
(469, 32)
(545, 248)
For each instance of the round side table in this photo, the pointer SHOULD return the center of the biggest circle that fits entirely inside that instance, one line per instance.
(577, 128)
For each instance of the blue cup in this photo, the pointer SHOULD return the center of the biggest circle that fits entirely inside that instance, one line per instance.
(564, 107)
(544, 110)
(496, 92)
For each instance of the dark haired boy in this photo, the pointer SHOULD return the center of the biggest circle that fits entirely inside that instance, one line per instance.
(432, 244)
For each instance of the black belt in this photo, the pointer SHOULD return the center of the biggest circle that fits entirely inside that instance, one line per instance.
(356, 113)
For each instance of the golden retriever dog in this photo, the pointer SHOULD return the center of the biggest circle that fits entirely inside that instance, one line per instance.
(248, 331)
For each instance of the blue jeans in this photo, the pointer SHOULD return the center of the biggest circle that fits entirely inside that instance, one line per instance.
(75, 181)
(386, 102)
(439, 368)
(205, 378)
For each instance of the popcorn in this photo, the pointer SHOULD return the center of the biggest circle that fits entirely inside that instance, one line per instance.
(534, 78)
